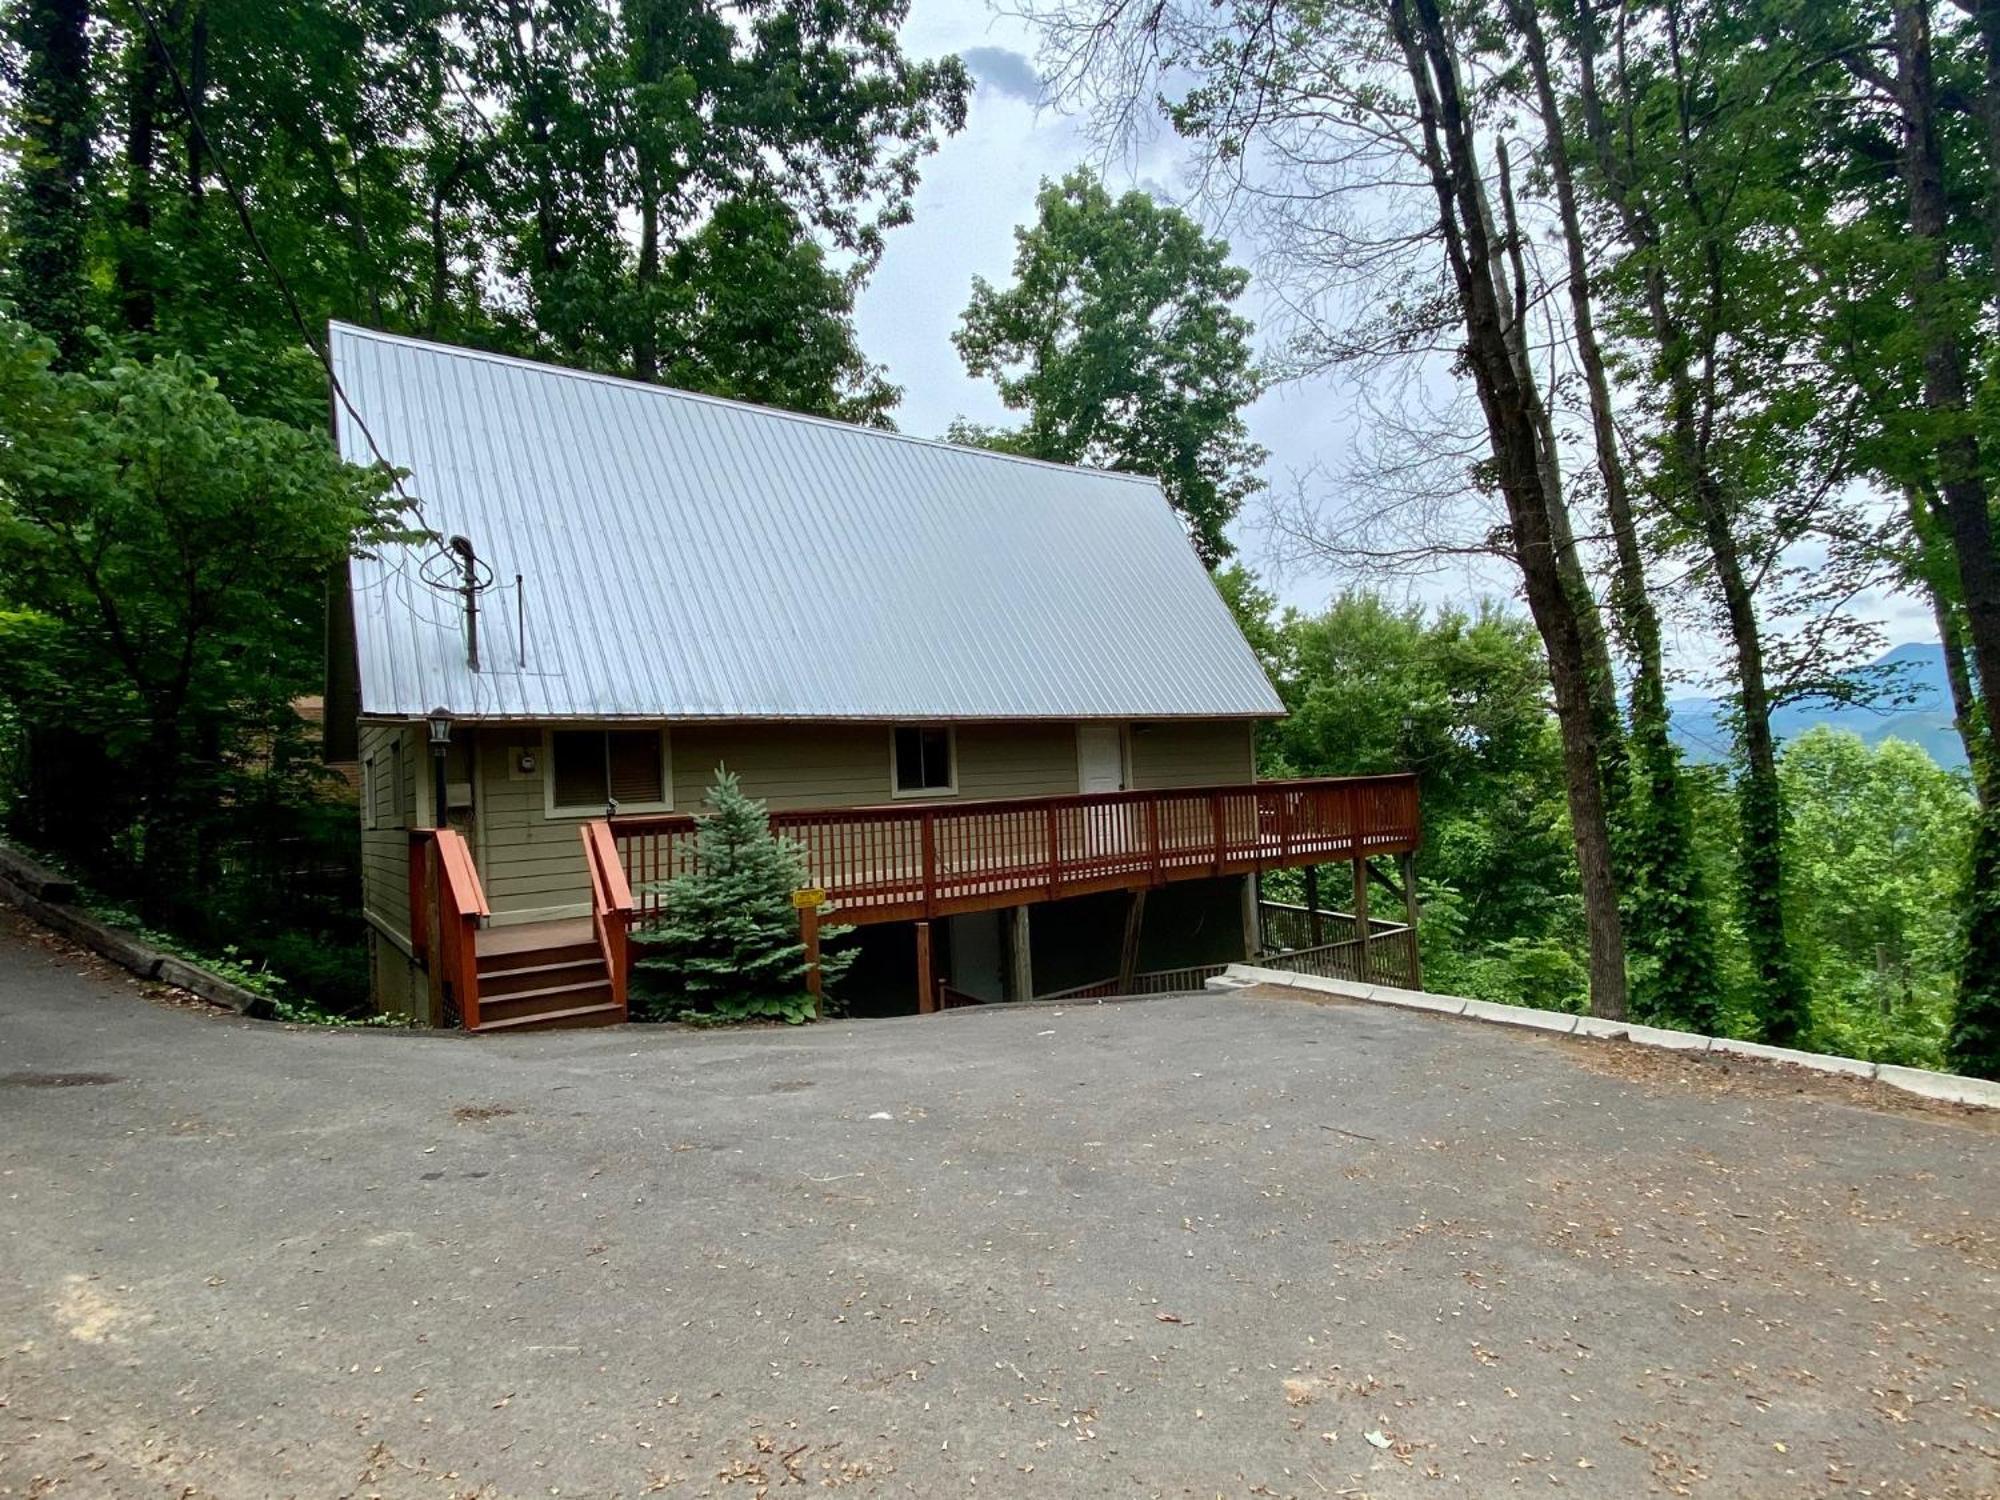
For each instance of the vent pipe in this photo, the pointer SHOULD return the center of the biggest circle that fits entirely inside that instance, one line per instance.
(462, 547)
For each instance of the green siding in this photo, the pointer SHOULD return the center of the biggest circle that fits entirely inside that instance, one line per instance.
(1192, 753)
(532, 864)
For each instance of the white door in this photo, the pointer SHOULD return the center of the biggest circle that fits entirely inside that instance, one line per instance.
(1100, 758)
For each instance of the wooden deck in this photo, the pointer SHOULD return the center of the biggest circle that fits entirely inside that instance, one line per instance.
(908, 862)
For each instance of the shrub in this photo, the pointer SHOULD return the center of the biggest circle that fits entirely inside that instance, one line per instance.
(726, 945)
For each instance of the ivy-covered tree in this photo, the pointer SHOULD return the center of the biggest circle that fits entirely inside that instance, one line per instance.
(726, 946)
(1121, 341)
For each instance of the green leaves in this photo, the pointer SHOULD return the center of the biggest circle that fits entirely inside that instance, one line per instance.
(1120, 340)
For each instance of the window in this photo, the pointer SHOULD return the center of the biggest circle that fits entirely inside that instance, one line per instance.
(392, 814)
(370, 803)
(590, 768)
(923, 761)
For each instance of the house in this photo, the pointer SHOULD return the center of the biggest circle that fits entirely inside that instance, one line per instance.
(998, 702)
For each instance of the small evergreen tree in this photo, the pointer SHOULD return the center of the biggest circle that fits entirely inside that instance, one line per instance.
(726, 946)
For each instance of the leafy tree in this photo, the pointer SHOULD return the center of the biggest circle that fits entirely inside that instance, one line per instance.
(1882, 836)
(1460, 699)
(726, 945)
(162, 561)
(1120, 339)
(755, 312)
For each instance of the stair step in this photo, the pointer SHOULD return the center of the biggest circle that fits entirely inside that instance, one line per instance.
(580, 1015)
(497, 982)
(530, 958)
(550, 997)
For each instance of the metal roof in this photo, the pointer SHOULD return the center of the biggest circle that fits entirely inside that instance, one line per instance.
(684, 557)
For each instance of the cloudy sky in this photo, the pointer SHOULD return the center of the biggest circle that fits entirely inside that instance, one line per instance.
(982, 183)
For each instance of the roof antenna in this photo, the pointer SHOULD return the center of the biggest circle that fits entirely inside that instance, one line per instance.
(470, 589)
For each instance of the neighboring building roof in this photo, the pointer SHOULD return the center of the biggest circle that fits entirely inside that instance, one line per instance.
(686, 557)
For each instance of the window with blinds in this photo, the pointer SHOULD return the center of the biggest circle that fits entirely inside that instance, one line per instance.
(592, 768)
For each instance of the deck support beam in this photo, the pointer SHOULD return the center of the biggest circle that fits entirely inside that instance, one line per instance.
(1128, 949)
(1406, 866)
(926, 980)
(1253, 919)
(809, 935)
(1020, 955)
(1313, 926)
(1361, 926)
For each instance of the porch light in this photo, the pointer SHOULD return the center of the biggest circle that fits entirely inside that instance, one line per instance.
(440, 726)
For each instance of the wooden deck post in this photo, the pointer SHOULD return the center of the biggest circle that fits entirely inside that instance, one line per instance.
(1366, 976)
(1020, 955)
(1406, 866)
(1253, 919)
(926, 983)
(1128, 949)
(809, 935)
(1315, 935)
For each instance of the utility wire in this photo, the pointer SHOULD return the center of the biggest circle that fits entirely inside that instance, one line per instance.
(319, 352)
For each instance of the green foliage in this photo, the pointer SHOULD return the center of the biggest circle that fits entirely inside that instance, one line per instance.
(726, 945)
(1974, 1042)
(1460, 699)
(162, 565)
(753, 311)
(1882, 837)
(1120, 340)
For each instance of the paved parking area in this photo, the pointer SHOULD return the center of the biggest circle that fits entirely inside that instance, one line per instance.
(1198, 1246)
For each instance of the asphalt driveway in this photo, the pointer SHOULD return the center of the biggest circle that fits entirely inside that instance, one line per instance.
(1198, 1246)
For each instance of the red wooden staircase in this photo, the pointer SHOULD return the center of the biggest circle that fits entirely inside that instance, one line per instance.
(525, 976)
(543, 975)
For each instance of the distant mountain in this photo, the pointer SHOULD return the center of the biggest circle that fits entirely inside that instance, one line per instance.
(1924, 720)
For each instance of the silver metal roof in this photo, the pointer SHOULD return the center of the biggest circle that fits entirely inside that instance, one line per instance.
(684, 557)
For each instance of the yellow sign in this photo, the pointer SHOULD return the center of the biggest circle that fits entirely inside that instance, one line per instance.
(810, 896)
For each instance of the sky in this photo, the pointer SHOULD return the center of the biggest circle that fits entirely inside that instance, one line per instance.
(981, 184)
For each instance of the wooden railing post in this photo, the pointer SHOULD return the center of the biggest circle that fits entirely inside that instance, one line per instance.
(930, 869)
(1153, 835)
(1054, 852)
(1216, 826)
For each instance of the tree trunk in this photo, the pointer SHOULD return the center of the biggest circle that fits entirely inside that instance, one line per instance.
(197, 86)
(1664, 895)
(1974, 1044)
(134, 272)
(1934, 570)
(54, 114)
(1514, 424)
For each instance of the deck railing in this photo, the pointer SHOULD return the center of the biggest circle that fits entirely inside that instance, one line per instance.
(446, 908)
(610, 905)
(900, 862)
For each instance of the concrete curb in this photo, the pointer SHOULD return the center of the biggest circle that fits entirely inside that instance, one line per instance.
(120, 947)
(1950, 1087)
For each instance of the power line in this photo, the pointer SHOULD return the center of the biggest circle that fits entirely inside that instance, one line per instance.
(285, 293)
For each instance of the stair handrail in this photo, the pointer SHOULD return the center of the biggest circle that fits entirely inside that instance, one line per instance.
(452, 890)
(610, 906)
